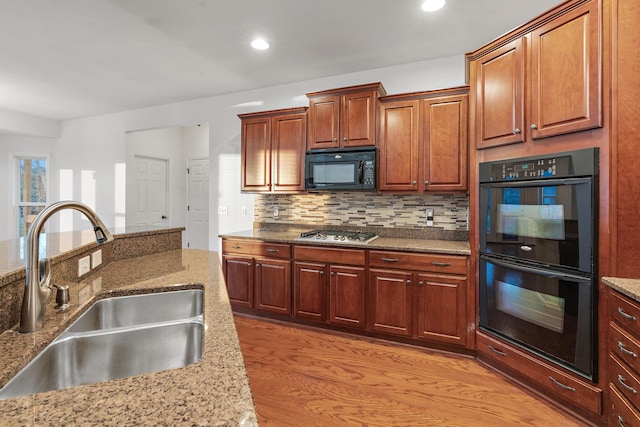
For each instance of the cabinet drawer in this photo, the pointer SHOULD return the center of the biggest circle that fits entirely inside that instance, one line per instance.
(622, 412)
(625, 312)
(624, 346)
(451, 264)
(625, 380)
(554, 382)
(247, 247)
(330, 255)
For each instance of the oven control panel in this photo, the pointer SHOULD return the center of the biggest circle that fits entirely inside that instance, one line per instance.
(550, 167)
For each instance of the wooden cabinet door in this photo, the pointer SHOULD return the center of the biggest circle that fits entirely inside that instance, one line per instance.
(391, 302)
(565, 73)
(442, 310)
(500, 96)
(256, 154)
(273, 285)
(358, 119)
(347, 296)
(310, 291)
(238, 273)
(399, 155)
(287, 152)
(324, 119)
(444, 155)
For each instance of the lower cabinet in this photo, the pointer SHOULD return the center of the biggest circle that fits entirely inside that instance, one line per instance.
(258, 275)
(330, 289)
(429, 304)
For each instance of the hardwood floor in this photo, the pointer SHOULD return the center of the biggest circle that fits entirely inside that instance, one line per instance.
(308, 377)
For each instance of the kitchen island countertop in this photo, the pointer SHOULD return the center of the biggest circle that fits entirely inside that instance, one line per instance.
(450, 247)
(212, 391)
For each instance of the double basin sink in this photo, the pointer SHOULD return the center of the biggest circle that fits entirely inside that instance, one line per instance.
(116, 338)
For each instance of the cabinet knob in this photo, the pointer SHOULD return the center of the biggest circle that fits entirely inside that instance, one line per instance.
(248, 264)
(335, 139)
(516, 131)
(344, 138)
(414, 182)
(321, 273)
(332, 274)
(408, 282)
(257, 265)
(533, 127)
(426, 183)
(421, 283)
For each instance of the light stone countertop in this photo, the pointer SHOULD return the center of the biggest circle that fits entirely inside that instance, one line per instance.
(450, 247)
(212, 391)
(628, 287)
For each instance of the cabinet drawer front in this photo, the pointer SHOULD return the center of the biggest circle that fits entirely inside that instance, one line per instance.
(625, 312)
(624, 346)
(451, 264)
(272, 250)
(554, 381)
(330, 255)
(621, 413)
(624, 379)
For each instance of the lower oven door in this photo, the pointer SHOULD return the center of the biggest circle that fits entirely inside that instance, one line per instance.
(545, 311)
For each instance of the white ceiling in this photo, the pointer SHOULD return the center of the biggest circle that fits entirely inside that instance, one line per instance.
(63, 59)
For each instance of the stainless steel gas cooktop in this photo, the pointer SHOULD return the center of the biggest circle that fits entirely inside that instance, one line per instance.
(337, 236)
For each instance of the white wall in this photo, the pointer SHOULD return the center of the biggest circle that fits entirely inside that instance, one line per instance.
(98, 144)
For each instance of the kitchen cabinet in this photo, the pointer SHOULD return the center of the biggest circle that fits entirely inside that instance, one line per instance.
(624, 366)
(543, 83)
(424, 141)
(345, 117)
(273, 145)
(423, 296)
(329, 285)
(258, 275)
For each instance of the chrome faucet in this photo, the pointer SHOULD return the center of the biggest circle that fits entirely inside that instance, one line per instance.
(37, 289)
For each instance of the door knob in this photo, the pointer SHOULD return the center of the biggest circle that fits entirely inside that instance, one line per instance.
(164, 217)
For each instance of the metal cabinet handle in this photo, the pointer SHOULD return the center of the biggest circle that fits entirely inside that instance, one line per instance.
(335, 139)
(236, 247)
(626, 315)
(408, 282)
(273, 250)
(559, 384)
(248, 264)
(533, 127)
(421, 283)
(621, 421)
(625, 351)
(441, 264)
(344, 138)
(332, 274)
(257, 265)
(426, 183)
(625, 385)
(414, 182)
(496, 351)
(516, 131)
(321, 273)
(390, 259)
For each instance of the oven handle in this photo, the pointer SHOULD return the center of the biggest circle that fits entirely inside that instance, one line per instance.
(548, 273)
(538, 182)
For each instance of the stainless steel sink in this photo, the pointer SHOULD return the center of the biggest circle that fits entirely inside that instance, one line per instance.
(91, 351)
(139, 310)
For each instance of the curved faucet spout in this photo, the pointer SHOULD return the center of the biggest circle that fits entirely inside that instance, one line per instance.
(37, 290)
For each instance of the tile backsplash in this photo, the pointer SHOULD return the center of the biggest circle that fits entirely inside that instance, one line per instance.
(364, 209)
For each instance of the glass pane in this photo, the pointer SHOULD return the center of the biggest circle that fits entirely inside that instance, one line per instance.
(26, 215)
(33, 183)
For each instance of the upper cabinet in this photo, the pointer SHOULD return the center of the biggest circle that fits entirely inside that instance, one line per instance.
(273, 145)
(344, 117)
(541, 80)
(423, 141)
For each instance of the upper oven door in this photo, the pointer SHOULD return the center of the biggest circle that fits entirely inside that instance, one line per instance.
(546, 221)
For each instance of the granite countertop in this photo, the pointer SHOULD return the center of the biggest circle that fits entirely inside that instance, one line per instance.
(450, 247)
(628, 287)
(212, 391)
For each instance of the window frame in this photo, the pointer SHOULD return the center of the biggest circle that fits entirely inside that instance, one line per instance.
(15, 193)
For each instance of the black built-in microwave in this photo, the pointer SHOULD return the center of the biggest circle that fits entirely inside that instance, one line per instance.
(352, 169)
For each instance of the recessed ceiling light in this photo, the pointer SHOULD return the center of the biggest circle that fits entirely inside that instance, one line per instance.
(260, 44)
(432, 5)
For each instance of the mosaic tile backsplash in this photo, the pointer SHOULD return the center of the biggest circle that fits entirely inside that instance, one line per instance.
(363, 209)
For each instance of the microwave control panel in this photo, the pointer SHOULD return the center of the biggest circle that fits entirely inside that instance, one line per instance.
(369, 173)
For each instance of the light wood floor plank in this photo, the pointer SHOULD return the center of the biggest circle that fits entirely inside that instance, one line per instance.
(307, 377)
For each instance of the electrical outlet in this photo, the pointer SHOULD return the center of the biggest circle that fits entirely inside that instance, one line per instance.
(223, 210)
(276, 212)
(429, 213)
(96, 258)
(84, 265)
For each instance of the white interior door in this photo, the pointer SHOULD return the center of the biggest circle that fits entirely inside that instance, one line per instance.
(151, 191)
(198, 204)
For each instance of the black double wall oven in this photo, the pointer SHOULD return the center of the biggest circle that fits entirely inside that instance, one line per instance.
(538, 252)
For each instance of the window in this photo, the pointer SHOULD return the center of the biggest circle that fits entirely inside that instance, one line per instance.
(31, 191)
